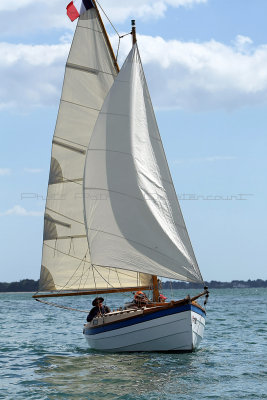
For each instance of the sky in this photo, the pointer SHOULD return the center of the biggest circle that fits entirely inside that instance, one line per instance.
(205, 63)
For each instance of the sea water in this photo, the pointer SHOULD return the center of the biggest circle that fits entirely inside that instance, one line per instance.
(44, 355)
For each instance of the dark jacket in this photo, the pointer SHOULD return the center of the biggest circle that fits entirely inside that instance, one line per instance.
(97, 311)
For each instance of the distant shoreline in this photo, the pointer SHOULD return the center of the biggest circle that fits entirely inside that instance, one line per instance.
(30, 285)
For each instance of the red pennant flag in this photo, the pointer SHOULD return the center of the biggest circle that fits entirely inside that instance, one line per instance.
(72, 12)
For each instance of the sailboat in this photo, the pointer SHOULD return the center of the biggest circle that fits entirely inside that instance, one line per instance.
(112, 219)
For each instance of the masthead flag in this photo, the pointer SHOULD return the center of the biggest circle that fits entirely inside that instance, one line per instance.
(72, 11)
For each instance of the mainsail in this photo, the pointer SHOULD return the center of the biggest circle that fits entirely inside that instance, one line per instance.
(90, 72)
(132, 215)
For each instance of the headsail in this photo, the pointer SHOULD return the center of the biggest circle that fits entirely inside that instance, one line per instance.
(133, 218)
(90, 72)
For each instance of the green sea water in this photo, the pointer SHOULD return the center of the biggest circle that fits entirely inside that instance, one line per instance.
(43, 354)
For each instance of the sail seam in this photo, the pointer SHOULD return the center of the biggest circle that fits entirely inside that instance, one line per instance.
(110, 113)
(48, 218)
(140, 244)
(82, 68)
(80, 105)
(94, 71)
(69, 147)
(115, 191)
(67, 140)
(175, 275)
(90, 29)
(65, 216)
(123, 152)
(66, 254)
(68, 237)
(66, 180)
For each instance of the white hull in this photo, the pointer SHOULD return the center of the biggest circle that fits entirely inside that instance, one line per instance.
(181, 330)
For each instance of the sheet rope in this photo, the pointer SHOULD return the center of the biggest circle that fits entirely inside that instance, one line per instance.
(60, 306)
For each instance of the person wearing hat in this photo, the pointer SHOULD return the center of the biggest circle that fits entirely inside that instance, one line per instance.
(98, 309)
(162, 298)
(140, 299)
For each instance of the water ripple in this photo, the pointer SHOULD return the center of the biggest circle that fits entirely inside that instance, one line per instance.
(45, 357)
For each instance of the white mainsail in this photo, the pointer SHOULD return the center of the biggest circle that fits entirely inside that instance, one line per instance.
(133, 219)
(90, 72)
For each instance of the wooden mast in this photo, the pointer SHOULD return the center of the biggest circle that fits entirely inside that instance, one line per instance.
(133, 32)
(155, 288)
(106, 36)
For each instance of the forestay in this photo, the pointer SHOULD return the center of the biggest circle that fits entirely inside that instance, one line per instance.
(89, 74)
(133, 219)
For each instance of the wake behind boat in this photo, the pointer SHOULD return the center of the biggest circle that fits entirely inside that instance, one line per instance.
(112, 220)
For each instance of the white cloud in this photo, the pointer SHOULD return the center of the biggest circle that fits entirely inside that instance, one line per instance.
(46, 15)
(121, 10)
(5, 171)
(18, 210)
(33, 170)
(243, 43)
(16, 5)
(202, 76)
(209, 159)
(31, 75)
(186, 75)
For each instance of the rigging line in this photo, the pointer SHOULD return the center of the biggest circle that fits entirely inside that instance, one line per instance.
(108, 277)
(63, 287)
(147, 247)
(83, 260)
(118, 49)
(109, 284)
(93, 268)
(87, 276)
(118, 277)
(107, 18)
(60, 306)
(81, 277)
(120, 37)
(55, 248)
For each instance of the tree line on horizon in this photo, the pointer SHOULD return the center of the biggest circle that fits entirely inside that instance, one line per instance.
(30, 285)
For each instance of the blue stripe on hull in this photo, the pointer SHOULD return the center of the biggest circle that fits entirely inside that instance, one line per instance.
(143, 318)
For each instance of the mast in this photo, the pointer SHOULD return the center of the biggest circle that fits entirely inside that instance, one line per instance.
(155, 288)
(133, 32)
(106, 36)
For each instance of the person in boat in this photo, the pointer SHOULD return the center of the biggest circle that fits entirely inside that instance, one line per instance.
(162, 298)
(98, 309)
(140, 300)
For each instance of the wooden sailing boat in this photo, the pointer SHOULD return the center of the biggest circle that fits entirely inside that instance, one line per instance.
(112, 219)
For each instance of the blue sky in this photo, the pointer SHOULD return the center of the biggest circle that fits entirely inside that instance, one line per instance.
(205, 62)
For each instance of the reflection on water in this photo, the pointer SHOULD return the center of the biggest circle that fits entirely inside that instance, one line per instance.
(118, 376)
